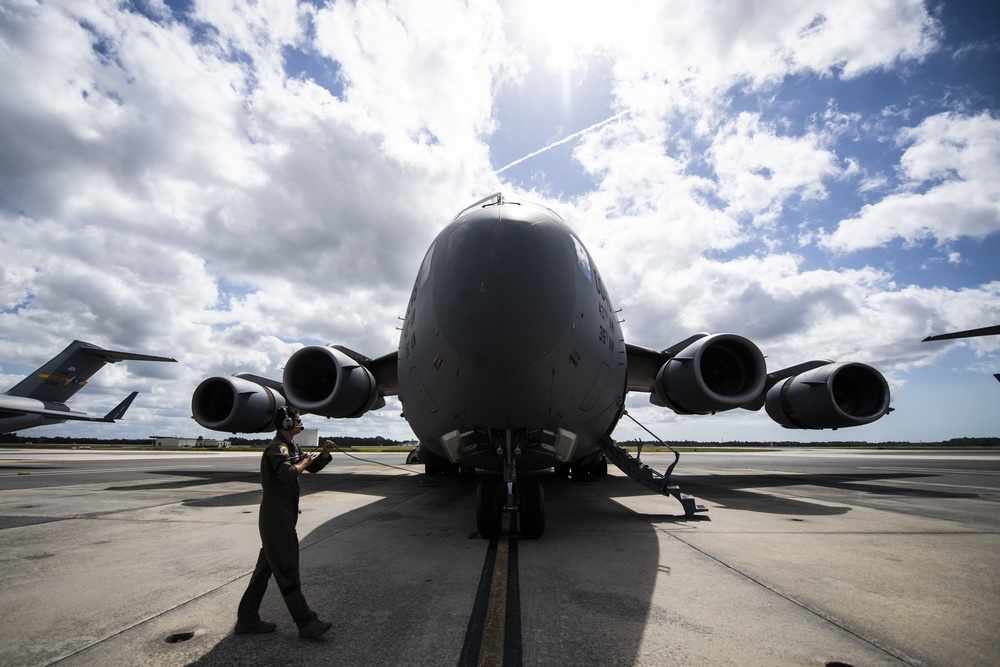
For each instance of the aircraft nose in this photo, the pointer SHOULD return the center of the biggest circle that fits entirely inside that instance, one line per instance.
(504, 287)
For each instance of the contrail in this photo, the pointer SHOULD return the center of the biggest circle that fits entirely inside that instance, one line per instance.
(562, 141)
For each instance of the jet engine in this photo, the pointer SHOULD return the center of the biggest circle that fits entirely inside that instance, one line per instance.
(714, 373)
(235, 405)
(831, 396)
(327, 382)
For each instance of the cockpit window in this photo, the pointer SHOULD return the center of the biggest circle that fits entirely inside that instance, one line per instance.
(425, 267)
(584, 259)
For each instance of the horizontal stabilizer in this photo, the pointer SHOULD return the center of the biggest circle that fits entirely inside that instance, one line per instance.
(119, 410)
(55, 413)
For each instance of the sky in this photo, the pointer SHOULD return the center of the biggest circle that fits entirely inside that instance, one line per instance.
(226, 181)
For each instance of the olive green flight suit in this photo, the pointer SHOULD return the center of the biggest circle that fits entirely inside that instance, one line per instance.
(279, 554)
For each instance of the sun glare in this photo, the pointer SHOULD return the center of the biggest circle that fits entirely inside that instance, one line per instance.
(561, 35)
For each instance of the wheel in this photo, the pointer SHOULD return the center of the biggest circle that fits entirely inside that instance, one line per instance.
(531, 509)
(489, 508)
(601, 469)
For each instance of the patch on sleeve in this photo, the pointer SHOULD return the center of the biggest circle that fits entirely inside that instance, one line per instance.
(284, 450)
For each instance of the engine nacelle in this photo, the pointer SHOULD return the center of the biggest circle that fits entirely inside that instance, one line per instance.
(712, 374)
(831, 396)
(235, 405)
(327, 382)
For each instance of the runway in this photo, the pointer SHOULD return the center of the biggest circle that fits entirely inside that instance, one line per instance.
(806, 557)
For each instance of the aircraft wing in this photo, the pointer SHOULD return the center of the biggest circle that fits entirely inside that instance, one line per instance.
(775, 377)
(383, 369)
(642, 364)
(709, 373)
(970, 333)
(330, 381)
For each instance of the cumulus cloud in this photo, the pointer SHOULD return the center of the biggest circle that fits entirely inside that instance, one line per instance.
(759, 169)
(226, 184)
(949, 187)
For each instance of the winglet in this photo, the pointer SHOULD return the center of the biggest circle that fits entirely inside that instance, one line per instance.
(118, 411)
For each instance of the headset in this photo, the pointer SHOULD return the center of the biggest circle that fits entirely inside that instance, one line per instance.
(288, 421)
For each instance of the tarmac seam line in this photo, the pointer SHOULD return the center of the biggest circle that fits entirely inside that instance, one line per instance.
(193, 599)
(829, 618)
(148, 619)
(802, 605)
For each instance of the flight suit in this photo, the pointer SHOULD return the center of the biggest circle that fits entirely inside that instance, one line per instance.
(279, 554)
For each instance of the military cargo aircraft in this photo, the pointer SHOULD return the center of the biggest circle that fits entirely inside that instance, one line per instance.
(40, 398)
(511, 361)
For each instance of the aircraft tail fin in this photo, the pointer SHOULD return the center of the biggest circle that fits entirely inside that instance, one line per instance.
(67, 372)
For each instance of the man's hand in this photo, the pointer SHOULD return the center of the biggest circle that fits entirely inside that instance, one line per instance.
(327, 446)
(305, 462)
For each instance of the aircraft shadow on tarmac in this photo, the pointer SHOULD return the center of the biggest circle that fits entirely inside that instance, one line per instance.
(729, 491)
(740, 491)
(391, 606)
(345, 482)
(202, 478)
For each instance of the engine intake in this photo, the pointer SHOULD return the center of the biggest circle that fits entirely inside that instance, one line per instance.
(235, 405)
(327, 382)
(831, 396)
(712, 374)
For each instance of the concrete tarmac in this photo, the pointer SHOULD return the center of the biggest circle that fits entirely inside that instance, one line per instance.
(805, 558)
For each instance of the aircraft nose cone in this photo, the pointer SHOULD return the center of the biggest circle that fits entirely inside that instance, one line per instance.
(504, 286)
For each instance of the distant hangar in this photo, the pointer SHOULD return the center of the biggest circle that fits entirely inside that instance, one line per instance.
(159, 441)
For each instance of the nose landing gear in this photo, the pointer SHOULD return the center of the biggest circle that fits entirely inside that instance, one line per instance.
(523, 498)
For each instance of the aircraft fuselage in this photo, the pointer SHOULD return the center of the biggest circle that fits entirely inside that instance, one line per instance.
(510, 340)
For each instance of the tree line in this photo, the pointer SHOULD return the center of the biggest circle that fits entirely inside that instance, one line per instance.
(378, 441)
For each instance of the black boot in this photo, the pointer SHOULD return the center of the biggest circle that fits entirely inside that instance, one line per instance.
(314, 629)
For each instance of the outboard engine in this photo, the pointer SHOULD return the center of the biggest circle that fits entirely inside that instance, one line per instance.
(325, 381)
(714, 373)
(832, 396)
(235, 405)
